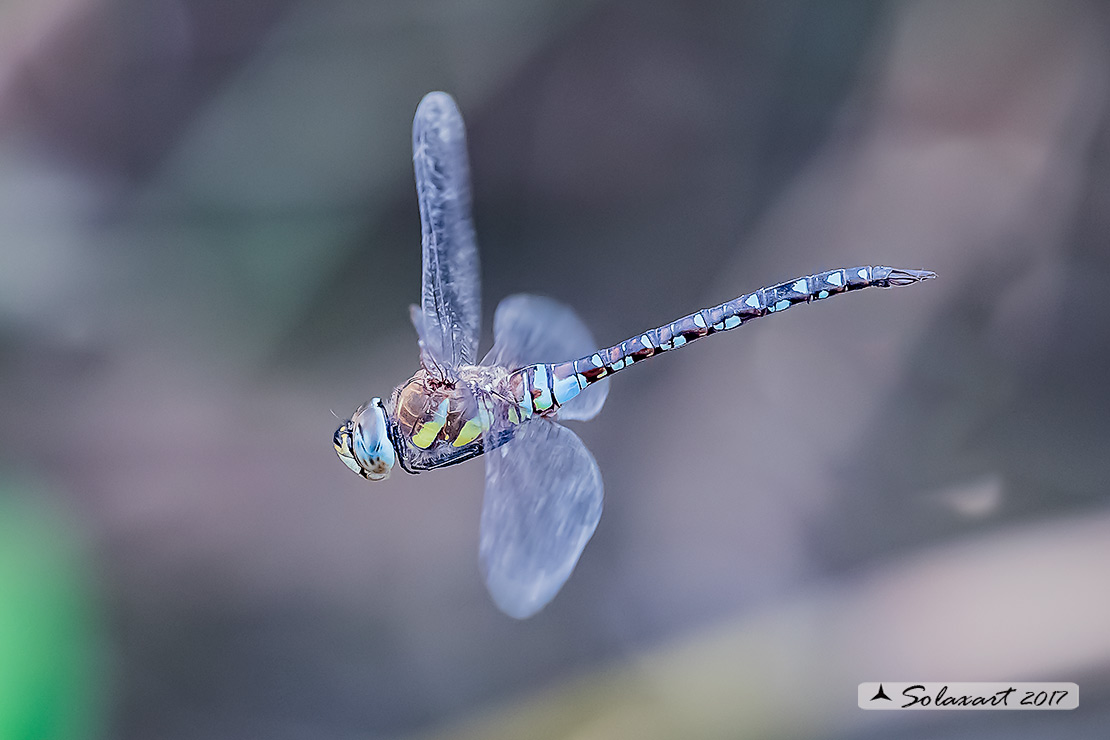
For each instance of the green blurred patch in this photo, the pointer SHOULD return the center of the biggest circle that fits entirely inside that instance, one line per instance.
(50, 688)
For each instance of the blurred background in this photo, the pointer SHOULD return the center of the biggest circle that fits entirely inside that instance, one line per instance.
(209, 241)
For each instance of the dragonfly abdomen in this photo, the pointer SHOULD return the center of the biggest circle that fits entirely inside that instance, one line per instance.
(543, 388)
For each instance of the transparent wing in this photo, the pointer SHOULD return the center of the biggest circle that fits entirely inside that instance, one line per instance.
(542, 504)
(528, 329)
(450, 299)
(430, 354)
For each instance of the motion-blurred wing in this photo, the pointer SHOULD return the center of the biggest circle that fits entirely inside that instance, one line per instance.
(528, 329)
(450, 299)
(542, 504)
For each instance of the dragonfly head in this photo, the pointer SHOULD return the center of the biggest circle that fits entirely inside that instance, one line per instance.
(363, 442)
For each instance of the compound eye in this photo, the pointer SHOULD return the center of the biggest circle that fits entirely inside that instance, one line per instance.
(370, 445)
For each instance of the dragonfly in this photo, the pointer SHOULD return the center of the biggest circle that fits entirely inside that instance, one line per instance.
(543, 489)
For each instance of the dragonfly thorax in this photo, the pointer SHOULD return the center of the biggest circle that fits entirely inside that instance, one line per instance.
(426, 410)
(430, 412)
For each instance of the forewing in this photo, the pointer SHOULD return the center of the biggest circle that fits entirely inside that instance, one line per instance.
(450, 300)
(529, 329)
(542, 504)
